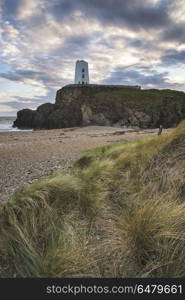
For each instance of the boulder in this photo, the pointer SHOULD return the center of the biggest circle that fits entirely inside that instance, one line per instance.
(24, 119)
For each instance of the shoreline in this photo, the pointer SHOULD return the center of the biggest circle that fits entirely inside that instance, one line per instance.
(26, 156)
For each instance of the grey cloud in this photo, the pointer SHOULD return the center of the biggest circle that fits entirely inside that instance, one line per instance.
(10, 76)
(134, 13)
(175, 57)
(10, 7)
(21, 75)
(75, 46)
(176, 33)
(78, 41)
(135, 77)
(26, 102)
(136, 43)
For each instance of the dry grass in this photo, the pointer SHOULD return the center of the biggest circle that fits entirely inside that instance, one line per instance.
(120, 213)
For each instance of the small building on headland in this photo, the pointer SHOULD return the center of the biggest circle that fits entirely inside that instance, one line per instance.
(82, 77)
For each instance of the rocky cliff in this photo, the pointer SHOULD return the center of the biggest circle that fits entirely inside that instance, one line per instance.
(106, 105)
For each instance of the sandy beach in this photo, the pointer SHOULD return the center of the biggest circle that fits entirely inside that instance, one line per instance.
(28, 156)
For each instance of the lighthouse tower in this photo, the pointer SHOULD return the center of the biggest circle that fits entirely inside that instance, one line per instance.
(81, 72)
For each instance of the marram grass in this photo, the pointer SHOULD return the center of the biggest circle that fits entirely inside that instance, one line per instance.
(119, 213)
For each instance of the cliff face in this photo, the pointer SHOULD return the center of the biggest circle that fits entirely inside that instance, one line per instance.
(106, 105)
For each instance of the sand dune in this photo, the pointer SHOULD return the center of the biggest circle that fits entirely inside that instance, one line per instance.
(28, 156)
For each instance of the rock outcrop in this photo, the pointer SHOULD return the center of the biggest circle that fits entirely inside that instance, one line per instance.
(106, 105)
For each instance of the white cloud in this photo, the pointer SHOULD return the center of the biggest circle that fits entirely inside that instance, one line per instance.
(28, 8)
(9, 50)
(11, 32)
(177, 11)
(3, 96)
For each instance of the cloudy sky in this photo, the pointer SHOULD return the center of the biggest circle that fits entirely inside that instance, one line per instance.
(124, 41)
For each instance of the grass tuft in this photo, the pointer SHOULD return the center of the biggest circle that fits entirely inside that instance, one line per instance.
(119, 213)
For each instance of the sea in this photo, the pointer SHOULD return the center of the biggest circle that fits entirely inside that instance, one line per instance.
(6, 124)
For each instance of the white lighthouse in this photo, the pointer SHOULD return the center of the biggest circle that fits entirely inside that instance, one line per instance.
(81, 72)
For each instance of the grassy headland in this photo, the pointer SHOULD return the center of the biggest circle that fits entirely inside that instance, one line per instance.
(119, 213)
(106, 105)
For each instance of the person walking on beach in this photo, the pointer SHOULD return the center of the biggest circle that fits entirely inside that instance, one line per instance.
(160, 129)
